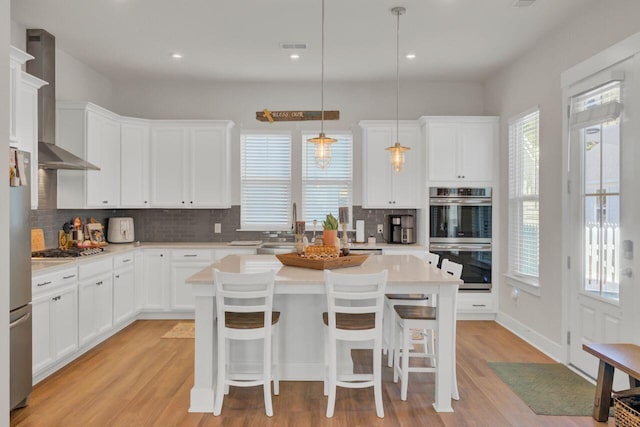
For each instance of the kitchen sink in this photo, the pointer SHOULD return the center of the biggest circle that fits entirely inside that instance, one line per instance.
(274, 248)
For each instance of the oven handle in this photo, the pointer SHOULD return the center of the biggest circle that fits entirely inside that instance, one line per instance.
(459, 201)
(457, 247)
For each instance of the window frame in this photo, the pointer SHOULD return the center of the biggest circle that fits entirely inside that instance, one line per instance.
(527, 282)
(304, 181)
(286, 225)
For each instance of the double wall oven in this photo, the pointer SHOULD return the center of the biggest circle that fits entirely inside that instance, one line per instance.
(460, 230)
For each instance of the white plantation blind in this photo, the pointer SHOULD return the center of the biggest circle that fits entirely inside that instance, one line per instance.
(265, 181)
(324, 190)
(524, 219)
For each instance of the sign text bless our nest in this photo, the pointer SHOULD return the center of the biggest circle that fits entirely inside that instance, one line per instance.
(295, 115)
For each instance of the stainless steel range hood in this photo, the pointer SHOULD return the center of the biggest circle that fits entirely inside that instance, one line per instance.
(42, 46)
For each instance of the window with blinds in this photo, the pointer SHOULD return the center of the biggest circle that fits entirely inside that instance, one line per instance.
(524, 218)
(265, 181)
(324, 190)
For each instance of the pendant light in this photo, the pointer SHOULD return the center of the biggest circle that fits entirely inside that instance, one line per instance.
(397, 150)
(322, 142)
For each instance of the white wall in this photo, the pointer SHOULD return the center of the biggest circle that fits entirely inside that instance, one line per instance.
(75, 81)
(4, 215)
(534, 79)
(240, 102)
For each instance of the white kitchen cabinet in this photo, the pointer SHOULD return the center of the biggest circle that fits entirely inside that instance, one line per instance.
(55, 317)
(184, 264)
(461, 149)
(91, 133)
(17, 59)
(134, 163)
(190, 164)
(124, 297)
(95, 300)
(382, 187)
(55, 326)
(23, 113)
(155, 279)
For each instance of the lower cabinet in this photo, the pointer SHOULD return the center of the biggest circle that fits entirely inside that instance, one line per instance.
(124, 296)
(55, 326)
(184, 264)
(155, 279)
(95, 314)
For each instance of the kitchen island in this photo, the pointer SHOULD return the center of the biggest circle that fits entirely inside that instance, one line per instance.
(300, 297)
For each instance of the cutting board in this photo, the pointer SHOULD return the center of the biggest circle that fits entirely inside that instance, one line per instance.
(37, 240)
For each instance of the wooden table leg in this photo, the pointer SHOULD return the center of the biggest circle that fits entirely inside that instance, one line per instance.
(602, 401)
(633, 382)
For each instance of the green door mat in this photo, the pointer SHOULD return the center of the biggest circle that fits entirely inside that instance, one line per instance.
(548, 388)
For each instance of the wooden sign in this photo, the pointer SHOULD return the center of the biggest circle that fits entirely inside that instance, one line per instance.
(295, 116)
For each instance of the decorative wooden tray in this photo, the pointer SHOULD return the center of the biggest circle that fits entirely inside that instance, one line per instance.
(294, 260)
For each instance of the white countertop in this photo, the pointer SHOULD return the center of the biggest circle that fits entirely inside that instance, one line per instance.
(404, 270)
(39, 265)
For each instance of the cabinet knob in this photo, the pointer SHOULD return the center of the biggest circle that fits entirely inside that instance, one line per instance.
(161, 255)
(99, 283)
(117, 276)
(145, 202)
(389, 201)
(105, 202)
(191, 202)
(183, 202)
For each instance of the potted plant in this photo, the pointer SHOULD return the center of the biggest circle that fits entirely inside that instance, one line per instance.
(330, 232)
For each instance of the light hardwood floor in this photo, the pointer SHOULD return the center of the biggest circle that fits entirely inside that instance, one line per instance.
(138, 379)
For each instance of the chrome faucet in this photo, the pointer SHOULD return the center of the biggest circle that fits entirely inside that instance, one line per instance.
(295, 217)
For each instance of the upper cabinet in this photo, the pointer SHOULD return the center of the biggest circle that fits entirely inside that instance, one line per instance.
(383, 188)
(134, 163)
(23, 113)
(190, 164)
(461, 149)
(143, 163)
(92, 133)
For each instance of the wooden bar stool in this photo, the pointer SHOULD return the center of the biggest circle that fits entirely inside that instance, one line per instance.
(410, 317)
(426, 336)
(244, 303)
(355, 305)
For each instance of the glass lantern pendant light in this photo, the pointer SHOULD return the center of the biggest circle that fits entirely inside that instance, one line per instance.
(397, 150)
(322, 142)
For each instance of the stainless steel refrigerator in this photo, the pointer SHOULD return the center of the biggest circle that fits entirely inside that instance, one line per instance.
(20, 290)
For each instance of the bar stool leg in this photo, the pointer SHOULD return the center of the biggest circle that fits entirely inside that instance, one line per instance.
(396, 350)
(266, 376)
(406, 342)
(331, 402)
(377, 378)
(275, 361)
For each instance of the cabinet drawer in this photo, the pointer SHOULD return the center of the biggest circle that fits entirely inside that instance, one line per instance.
(122, 261)
(94, 268)
(187, 255)
(474, 302)
(45, 282)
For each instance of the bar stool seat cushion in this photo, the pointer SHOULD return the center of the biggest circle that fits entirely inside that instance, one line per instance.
(248, 320)
(352, 322)
(413, 312)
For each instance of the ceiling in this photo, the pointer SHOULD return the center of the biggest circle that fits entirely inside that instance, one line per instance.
(239, 40)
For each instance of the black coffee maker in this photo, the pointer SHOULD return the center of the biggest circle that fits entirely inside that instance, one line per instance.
(401, 229)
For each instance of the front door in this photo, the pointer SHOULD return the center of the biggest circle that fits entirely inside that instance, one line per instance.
(603, 212)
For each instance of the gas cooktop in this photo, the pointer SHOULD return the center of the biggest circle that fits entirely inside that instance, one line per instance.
(66, 253)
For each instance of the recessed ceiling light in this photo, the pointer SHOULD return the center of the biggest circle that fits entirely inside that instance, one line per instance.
(411, 56)
(294, 56)
(176, 55)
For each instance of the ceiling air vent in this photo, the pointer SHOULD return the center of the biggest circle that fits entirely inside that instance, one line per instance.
(293, 46)
(523, 3)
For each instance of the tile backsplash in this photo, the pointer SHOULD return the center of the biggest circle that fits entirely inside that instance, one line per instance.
(185, 225)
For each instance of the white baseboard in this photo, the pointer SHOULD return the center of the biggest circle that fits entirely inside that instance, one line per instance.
(165, 315)
(475, 316)
(542, 343)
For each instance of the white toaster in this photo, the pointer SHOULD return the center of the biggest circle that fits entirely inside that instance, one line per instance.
(120, 230)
